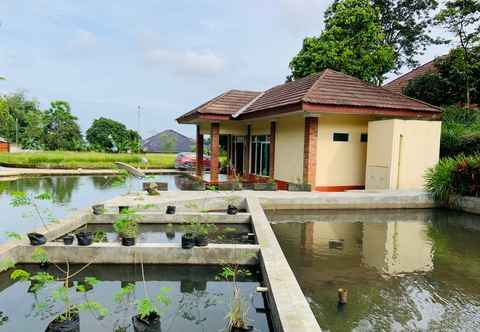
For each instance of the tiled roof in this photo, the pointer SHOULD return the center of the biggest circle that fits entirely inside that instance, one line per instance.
(400, 83)
(227, 103)
(334, 88)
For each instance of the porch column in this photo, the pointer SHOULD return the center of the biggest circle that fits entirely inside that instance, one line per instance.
(246, 159)
(273, 130)
(310, 151)
(214, 151)
(199, 149)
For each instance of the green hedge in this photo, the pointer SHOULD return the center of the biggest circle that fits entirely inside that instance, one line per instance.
(459, 175)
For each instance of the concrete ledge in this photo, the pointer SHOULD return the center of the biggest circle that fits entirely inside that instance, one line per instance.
(179, 218)
(289, 308)
(14, 171)
(149, 253)
(468, 204)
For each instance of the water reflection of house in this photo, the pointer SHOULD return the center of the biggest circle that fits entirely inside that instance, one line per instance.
(391, 248)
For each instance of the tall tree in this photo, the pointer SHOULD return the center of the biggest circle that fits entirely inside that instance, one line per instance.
(462, 18)
(406, 24)
(353, 42)
(61, 131)
(112, 136)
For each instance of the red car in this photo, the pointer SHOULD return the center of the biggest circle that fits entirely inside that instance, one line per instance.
(188, 161)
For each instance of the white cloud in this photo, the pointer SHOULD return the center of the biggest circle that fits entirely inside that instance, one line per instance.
(82, 40)
(203, 63)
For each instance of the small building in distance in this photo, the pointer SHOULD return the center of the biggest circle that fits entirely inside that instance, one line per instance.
(4, 145)
(168, 141)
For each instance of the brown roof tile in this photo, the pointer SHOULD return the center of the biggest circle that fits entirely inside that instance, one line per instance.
(227, 103)
(334, 88)
(400, 83)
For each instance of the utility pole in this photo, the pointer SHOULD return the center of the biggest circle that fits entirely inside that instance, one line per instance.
(138, 120)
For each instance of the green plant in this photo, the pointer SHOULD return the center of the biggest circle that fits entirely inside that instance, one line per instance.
(100, 236)
(196, 227)
(126, 224)
(22, 199)
(451, 177)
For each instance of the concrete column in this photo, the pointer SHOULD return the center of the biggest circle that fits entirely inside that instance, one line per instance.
(273, 130)
(199, 166)
(246, 159)
(214, 151)
(310, 151)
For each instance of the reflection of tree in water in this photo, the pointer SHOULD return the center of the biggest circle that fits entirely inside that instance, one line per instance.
(107, 182)
(60, 187)
(3, 318)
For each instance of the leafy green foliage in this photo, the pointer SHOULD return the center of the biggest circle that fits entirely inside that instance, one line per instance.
(462, 18)
(99, 236)
(124, 293)
(454, 176)
(61, 130)
(39, 255)
(126, 224)
(146, 307)
(447, 84)
(13, 235)
(20, 275)
(460, 131)
(93, 306)
(406, 25)
(6, 264)
(353, 42)
(22, 199)
(40, 280)
(108, 135)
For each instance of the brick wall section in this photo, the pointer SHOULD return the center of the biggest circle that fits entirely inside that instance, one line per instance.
(273, 130)
(199, 170)
(215, 151)
(310, 151)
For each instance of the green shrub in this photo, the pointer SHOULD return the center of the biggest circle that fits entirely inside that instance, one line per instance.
(459, 175)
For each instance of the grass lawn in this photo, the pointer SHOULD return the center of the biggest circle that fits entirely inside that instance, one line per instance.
(86, 160)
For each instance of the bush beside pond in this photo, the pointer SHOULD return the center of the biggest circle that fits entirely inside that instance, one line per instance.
(87, 160)
(457, 176)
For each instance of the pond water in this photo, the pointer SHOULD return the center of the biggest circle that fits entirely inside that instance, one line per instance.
(199, 302)
(405, 270)
(161, 233)
(69, 193)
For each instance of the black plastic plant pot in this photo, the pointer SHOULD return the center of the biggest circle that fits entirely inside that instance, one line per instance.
(44, 266)
(68, 240)
(122, 209)
(147, 324)
(84, 238)
(171, 209)
(232, 209)
(188, 241)
(37, 239)
(201, 240)
(98, 209)
(128, 241)
(65, 325)
(242, 329)
(170, 235)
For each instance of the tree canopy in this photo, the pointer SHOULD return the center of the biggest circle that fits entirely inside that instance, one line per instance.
(61, 130)
(353, 42)
(112, 136)
(446, 85)
(406, 25)
(462, 18)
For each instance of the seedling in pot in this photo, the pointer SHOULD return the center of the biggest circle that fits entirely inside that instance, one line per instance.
(200, 230)
(69, 319)
(42, 215)
(188, 240)
(170, 231)
(231, 208)
(126, 227)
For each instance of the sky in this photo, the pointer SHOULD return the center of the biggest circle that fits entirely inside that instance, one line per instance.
(111, 58)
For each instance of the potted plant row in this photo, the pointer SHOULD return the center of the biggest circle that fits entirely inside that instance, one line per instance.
(196, 234)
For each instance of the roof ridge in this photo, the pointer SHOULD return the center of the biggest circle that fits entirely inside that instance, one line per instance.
(321, 75)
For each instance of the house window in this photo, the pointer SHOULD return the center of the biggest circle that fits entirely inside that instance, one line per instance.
(340, 137)
(364, 138)
(260, 155)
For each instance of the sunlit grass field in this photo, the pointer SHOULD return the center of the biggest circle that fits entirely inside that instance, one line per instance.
(86, 160)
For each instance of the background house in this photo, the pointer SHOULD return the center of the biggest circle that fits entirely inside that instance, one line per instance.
(168, 141)
(4, 145)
